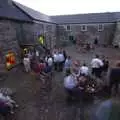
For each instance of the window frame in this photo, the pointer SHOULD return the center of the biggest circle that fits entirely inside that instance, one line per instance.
(100, 28)
(86, 28)
(67, 27)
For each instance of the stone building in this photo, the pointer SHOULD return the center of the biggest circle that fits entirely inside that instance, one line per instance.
(22, 26)
(87, 27)
(42, 25)
(10, 18)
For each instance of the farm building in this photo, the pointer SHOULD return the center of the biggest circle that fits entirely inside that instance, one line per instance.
(21, 26)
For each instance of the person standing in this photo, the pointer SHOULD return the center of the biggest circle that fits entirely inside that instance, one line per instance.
(84, 70)
(26, 62)
(114, 78)
(61, 61)
(67, 65)
(70, 85)
(49, 62)
(37, 54)
(105, 64)
(56, 60)
(96, 64)
(75, 69)
(65, 55)
(96, 41)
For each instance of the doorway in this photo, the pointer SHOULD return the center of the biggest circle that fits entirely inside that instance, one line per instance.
(72, 39)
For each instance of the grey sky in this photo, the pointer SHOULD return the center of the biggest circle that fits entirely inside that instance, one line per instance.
(58, 7)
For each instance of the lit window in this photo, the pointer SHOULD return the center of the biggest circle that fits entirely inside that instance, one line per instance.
(84, 28)
(100, 27)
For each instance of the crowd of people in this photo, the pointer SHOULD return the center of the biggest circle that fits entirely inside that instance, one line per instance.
(51, 60)
(76, 73)
(79, 76)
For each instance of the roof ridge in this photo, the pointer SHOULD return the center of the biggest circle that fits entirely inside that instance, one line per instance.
(29, 8)
(34, 14)
(84, 14)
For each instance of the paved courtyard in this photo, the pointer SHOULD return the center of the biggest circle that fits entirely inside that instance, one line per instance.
(37, 104)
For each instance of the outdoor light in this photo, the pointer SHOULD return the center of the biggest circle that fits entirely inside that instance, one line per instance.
(10, 60)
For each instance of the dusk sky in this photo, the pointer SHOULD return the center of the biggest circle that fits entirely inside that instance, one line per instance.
(61, 7)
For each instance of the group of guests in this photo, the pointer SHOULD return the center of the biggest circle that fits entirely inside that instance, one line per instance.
(58, 60)
(78, 75)
(59, 56)
(52, 60)
(37, 64)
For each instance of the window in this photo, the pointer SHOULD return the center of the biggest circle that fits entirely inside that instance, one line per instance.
(83, 28)
(68, 27)
(100, 27)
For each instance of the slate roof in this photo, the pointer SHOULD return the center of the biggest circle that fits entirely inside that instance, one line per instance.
(35, 15)
(117, 16)
(85, 18)
(20, 12)
(11, 12)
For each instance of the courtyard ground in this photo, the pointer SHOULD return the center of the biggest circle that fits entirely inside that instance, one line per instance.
(37, 104)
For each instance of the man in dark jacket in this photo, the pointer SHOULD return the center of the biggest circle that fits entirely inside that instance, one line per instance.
(107, 110)
(114, 78)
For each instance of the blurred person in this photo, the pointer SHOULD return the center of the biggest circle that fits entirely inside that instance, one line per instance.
(114, 78)
(96, 65)
(65, 55)
(107, 110)
(8, 102)
(67, 65)
(105, 64)
(84, 70)
(26, 62)
(61, 60)
(75, 69)
(56, 60)
(49, 63)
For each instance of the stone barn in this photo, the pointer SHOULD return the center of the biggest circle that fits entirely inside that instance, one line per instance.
(11, 19)
(42, 25)
(22, 26)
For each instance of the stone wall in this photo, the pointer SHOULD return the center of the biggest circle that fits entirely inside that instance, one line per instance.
(48, 31)
(24, 33)
(50, 35)
(8, 39)
(104, 36)
(14, 33)
(28, 33)
(116, 40)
